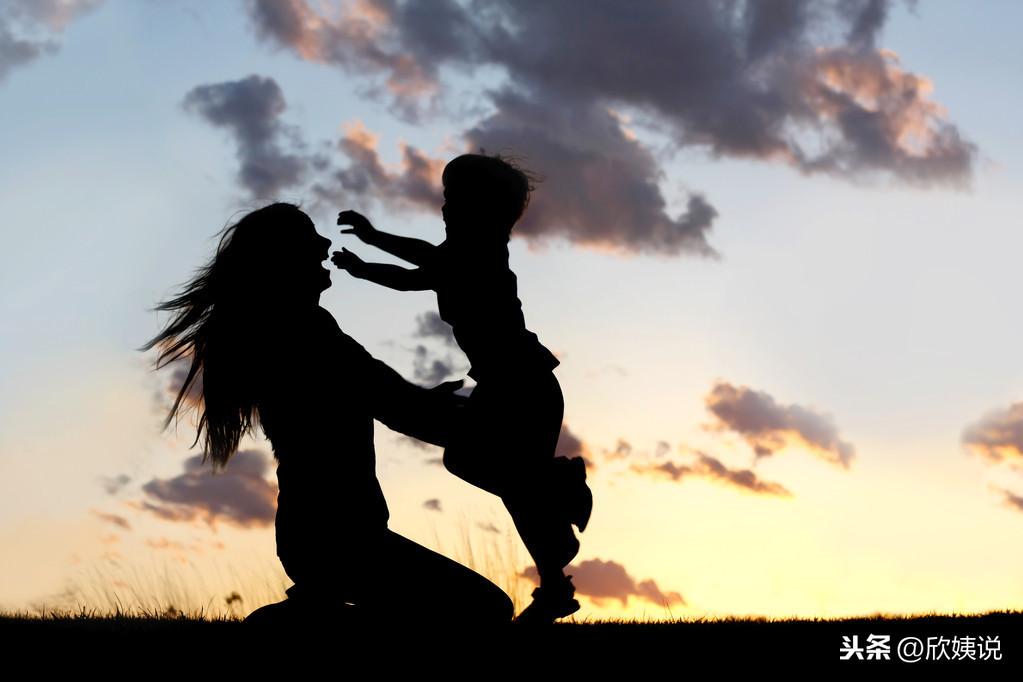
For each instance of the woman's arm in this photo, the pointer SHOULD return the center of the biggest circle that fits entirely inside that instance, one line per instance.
(415, 251)
(427, 414)
(390, 276)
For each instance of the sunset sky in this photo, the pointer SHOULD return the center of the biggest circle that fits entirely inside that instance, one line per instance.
(775, 247)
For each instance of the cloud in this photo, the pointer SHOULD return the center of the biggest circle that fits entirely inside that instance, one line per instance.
(240, 495)
(113, 519)
(433, 504)
(114, 484)
(271, 153)
(488, 527)
(357, 38)
(662, 448)
(623, 449)
(1011, 499)
(998, 436)
(604, 580)
(769, 427)
(429, 369)
(427, 366)
(29, 28)
(415, 182)
(796, 82)
(176, 379)
(570, 445)
(712, 468)
(429, 325)
(601, 187)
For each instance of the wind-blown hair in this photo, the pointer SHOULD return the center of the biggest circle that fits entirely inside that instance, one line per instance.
(210, 316)
(499, 181)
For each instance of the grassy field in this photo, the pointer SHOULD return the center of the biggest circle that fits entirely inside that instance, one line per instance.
(993, 640)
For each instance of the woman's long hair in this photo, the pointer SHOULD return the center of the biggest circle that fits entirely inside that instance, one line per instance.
(210, 316)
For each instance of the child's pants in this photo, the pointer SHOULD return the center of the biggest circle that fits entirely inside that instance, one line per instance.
(504, 442)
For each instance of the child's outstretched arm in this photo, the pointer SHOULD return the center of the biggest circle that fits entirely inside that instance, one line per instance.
(390, 276)
(415, 251)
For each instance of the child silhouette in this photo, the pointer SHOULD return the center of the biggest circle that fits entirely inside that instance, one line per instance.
(505, 440)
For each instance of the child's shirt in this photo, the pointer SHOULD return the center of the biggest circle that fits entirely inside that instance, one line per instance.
(478, 296)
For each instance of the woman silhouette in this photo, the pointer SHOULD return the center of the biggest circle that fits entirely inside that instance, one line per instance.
(268, 354)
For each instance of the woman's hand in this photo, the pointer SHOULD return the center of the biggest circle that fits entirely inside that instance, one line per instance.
(448, 386)
(361, 227)
(446, 391)
(346, 260)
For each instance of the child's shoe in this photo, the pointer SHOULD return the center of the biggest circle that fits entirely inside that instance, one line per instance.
(550, 603)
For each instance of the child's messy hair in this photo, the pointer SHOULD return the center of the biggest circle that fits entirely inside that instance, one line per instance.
(500, 180)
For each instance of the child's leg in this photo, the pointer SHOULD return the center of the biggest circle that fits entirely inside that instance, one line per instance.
(548, 538)
(505, 444)
(533, 495)
(476, 441)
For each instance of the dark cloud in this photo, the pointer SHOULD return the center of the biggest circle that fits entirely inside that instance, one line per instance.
(769, 427)
(601, 186)
(30, 29)
(271, 153)
(239, 495)
(604, 580)
(998, 436)
(706, 466)
(756, 82)
(791, 81)
(429, 325)
(662, 448)
(433, 504)
(430, 369)
(113, 519)
(114, 484)
(569, 445)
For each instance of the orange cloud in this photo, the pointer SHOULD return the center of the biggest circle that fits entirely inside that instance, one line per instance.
(601, 581)
(998, 436)
(354, 36)
(712, 468)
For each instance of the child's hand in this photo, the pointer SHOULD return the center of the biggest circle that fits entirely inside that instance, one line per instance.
(361, 227)
(346, 260)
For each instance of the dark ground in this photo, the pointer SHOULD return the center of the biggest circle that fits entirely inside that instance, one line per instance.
(748, 644)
